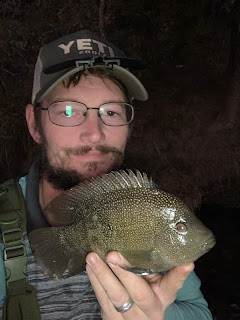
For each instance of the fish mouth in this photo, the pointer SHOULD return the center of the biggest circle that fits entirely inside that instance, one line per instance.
(207, 244)
(205, 247)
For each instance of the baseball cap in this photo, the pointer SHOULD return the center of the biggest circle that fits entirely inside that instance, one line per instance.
(79, 51)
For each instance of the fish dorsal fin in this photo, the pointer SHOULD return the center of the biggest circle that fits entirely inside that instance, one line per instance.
(116, 180)
(65, 205)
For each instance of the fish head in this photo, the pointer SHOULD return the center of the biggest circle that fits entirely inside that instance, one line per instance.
(179, 235)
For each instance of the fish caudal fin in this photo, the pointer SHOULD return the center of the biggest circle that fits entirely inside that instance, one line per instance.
(52, 260)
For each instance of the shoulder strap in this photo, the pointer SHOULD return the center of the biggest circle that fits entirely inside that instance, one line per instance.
(21, 297)
(12, 203)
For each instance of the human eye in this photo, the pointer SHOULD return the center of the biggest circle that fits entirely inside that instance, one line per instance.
(112, 110)
(111, 113)
(65, 110)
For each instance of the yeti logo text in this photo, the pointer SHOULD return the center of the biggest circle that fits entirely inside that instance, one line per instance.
(87, 44)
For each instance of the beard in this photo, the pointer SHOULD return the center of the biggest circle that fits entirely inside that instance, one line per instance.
(62, 178)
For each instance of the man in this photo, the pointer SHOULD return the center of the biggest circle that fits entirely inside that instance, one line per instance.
(81, 114)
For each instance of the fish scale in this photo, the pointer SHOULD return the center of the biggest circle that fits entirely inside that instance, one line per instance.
(121, 211)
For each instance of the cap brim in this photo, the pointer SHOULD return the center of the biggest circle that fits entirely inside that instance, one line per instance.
(135, 88)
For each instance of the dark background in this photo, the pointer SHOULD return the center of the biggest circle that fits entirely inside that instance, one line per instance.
(186, 136)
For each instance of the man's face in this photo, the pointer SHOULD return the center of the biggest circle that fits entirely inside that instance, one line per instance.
(73, 154)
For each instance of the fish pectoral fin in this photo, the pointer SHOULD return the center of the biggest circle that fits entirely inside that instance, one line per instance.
(141, 258)
(77, 261)
(139, 271)
(47, 252)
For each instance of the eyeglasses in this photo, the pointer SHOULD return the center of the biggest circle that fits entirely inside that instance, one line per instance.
(73, 113)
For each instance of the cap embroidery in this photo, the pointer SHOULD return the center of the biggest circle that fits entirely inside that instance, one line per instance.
(87, 46)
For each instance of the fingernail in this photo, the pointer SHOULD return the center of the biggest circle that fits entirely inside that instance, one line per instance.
(93, 259)
(114, 258)
(112, 265)
(88, 269)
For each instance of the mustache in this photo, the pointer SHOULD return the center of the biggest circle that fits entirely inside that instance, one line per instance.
(85, 149)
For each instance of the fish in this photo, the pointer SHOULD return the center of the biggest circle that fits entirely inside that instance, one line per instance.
(122, 211)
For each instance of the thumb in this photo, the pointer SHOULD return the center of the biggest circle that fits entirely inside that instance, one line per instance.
(168, 286)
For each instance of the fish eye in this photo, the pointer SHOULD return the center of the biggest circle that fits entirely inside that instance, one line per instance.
(181, 227)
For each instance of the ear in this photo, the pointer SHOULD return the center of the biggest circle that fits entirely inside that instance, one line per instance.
(32, 124)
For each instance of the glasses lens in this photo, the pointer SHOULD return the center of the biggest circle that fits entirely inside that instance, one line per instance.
(116, 113)
(67, 113)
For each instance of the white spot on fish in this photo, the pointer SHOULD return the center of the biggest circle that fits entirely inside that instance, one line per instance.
(169, 213)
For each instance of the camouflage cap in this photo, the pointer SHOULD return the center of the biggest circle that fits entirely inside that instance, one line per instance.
(78, 51)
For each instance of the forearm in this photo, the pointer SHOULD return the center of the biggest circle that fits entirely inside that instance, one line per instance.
(187, 311)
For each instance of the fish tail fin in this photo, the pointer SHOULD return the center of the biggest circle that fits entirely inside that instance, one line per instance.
(47, 251)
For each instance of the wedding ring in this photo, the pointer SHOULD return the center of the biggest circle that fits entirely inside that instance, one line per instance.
(125, 307)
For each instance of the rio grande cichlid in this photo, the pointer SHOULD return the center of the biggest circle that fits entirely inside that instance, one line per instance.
(152, 229)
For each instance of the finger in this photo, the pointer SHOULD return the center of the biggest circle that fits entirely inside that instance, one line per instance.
(105, 281)
(171, 282)
(106, 305)
(137, 287)
(116, 261)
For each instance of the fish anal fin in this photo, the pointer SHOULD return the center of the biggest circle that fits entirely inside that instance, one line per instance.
(99, 251)
(77, 261)
(47, 251)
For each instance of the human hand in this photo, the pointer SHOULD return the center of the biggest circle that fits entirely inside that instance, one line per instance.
(151, 295)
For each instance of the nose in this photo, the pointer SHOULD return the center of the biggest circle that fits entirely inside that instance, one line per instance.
(92, 129)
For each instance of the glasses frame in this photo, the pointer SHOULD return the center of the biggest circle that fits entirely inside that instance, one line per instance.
(89, 108)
